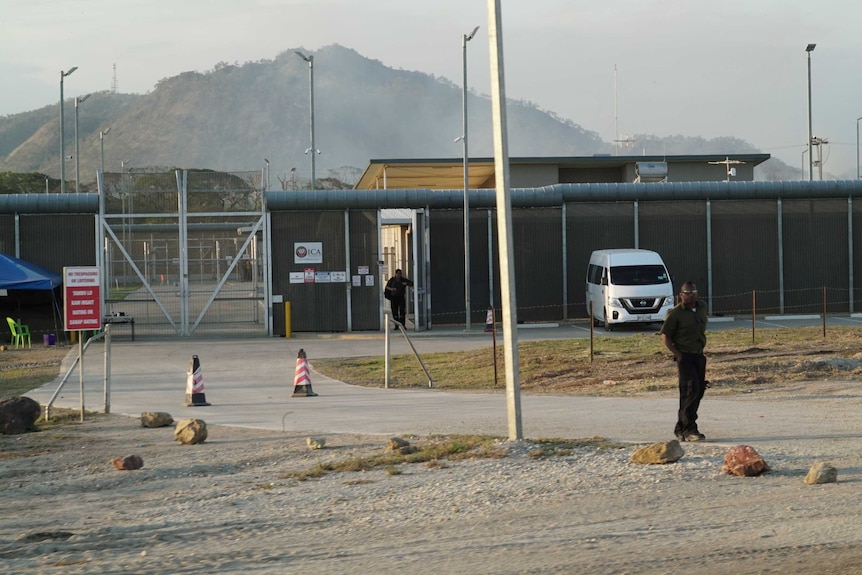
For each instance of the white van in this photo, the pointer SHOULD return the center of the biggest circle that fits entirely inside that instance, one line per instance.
(628, 286)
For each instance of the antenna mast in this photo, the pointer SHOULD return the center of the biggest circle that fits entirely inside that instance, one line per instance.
(616, 117)
(114, 86)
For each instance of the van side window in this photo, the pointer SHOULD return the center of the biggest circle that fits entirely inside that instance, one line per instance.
(594, 274)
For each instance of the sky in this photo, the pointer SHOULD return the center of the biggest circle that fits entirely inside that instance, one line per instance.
(736, 68)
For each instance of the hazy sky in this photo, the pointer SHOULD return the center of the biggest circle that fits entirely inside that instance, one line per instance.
(690, 67)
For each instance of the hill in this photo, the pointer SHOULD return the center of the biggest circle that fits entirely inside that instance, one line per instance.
(234, 116)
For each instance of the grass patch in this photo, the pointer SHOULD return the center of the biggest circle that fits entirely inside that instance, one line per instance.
(438, 450)
(24, 369)
(434, 449)
(564, 447)
(119, 293)
(63, 417)
(627, 365)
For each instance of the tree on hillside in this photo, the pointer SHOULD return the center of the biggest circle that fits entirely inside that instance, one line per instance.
(27, 183)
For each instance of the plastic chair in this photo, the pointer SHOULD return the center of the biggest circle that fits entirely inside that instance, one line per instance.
(20, 333)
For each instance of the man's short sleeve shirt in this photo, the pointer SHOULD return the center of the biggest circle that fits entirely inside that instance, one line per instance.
(686, 327)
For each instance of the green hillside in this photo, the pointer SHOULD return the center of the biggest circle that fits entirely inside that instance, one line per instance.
(234, 116)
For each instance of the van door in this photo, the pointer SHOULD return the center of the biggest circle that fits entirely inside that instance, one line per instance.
(593, 290)
(604, 286)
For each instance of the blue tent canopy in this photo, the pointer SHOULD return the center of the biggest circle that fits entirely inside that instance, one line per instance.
(20, 275)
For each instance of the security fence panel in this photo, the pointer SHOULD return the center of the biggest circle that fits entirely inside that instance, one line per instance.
(815, 255)
(7, 234)
(538, 264)
(677, 231)
(855, 240)
(364, 250)
(593, 226)
(225, 266)
(59, 240)
(484, 264)
(307, 248)
(745, 257)
(447, 266)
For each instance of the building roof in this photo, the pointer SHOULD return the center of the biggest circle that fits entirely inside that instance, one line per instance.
(448, 173)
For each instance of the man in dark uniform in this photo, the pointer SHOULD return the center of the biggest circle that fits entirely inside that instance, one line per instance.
(684, 334)
(396, 288)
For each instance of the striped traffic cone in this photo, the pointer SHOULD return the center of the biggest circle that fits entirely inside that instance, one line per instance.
(489, 320)
(302, 376)
(195, 396)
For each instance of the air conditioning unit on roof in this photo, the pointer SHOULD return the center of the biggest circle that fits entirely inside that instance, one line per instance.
(650, 172)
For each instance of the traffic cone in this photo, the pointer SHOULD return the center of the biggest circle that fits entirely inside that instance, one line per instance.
(489, 320)
(302, 376)
(195, 396)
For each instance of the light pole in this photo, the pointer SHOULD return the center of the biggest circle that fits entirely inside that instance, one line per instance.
(123, 195)
(77, 155)
(857, 146)
(62, 132)
(312, 150)
(808, 50)
(102, 134)
(464, 39)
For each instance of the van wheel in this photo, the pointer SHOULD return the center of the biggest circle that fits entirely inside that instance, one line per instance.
(608, 326)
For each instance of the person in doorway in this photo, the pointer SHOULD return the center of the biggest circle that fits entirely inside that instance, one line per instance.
(396, 290)
(684, 334)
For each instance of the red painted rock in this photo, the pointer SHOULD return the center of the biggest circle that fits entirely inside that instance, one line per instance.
(744, 461)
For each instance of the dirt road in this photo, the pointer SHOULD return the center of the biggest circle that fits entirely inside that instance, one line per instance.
(230, 505)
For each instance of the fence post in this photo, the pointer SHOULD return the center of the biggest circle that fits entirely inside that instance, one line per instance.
(824, 311)
(753, 312)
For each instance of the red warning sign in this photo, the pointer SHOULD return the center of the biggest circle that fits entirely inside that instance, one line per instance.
(83, 298)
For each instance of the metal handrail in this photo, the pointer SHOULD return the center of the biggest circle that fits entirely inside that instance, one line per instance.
(106, 333)
(410, 343)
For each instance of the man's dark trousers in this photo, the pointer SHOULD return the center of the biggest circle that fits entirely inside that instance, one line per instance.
(692, 385)
(399, 308)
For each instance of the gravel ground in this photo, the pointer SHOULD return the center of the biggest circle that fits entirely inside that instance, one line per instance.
(229, 506)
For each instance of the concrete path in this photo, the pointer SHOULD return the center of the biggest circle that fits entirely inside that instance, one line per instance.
(249, 383)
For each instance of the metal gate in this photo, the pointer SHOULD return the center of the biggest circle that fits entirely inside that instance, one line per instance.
(184, 253)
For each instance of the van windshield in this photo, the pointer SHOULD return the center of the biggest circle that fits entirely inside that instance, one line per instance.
(638, 275)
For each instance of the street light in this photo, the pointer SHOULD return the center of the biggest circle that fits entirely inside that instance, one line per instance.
(312, 149)
(62, 132)
(464, 39)
(808, 50)
(77, 155)
(102, 134)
